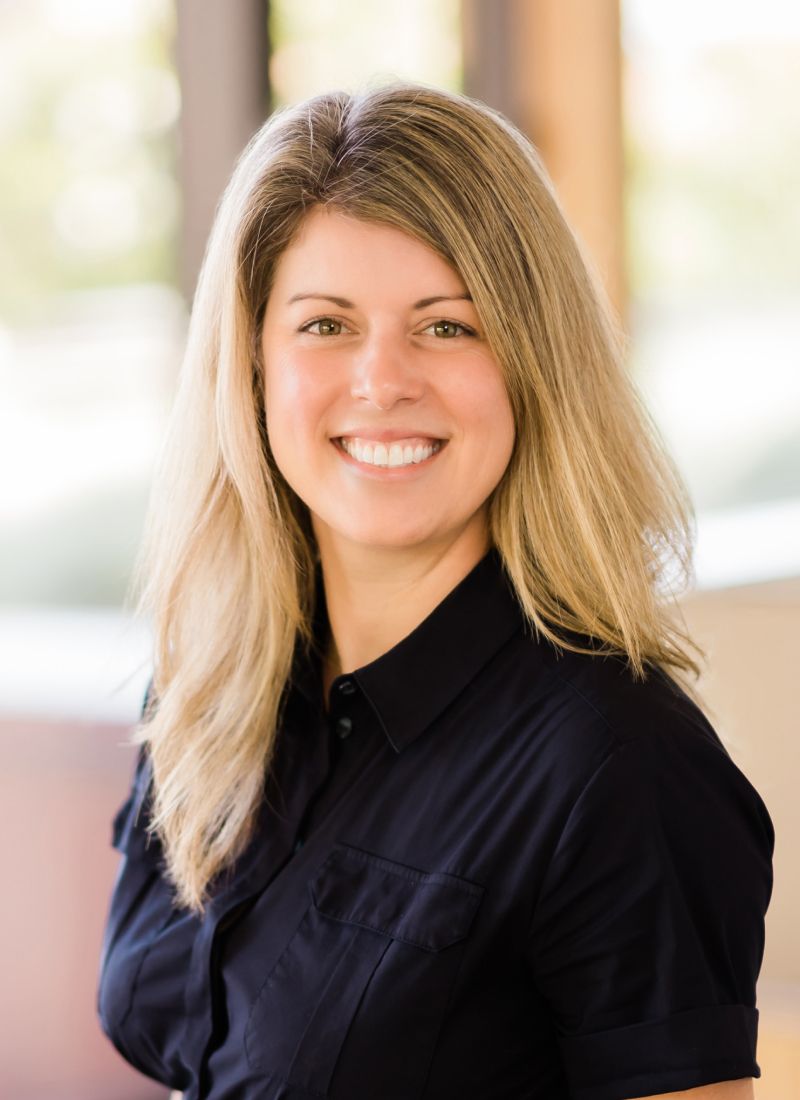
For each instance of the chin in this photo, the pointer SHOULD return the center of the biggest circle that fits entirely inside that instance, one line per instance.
(385, 536)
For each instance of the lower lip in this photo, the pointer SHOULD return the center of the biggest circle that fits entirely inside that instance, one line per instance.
(388, 473)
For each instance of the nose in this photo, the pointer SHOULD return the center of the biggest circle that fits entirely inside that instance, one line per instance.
(383, 372)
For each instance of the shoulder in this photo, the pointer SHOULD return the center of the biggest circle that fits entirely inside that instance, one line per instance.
(597, 696)
(645, 779)
(593, 721)
(647, 929)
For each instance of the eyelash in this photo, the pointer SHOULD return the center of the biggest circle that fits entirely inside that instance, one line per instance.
(465, 329)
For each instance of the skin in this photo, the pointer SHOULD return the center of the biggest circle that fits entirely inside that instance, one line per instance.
(725, 1090)
(392, 542)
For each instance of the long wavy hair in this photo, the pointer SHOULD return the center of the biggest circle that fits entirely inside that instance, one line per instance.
(590, 518)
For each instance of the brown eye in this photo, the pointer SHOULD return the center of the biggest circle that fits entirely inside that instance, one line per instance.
(324, 326)
(446, 330)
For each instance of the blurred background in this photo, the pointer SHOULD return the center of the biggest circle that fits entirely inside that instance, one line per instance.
(672, 133)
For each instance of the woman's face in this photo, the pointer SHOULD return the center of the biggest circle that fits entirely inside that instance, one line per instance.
(386, 410)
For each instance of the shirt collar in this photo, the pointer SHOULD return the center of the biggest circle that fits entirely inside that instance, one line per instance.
(410, 685)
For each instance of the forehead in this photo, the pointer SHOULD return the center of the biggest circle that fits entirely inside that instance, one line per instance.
(335, 250)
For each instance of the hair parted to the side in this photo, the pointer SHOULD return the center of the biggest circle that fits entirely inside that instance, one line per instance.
(590, 518)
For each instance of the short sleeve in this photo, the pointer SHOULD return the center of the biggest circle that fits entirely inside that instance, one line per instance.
(648, 934)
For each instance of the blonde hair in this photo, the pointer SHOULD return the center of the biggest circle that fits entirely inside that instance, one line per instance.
(590, 518)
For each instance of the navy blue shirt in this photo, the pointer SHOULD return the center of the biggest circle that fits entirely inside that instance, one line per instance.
(486, 871)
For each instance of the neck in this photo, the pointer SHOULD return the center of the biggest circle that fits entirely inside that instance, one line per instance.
(375, 597)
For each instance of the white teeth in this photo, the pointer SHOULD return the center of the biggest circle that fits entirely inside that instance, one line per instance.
(395, 455)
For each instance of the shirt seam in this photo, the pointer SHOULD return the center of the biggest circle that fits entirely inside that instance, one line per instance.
(612, 729)
(606, 759)
(657, 1021)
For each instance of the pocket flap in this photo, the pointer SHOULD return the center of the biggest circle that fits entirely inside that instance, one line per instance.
(431, 910)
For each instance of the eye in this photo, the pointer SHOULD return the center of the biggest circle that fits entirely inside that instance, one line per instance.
(446, 330)
(323, 326)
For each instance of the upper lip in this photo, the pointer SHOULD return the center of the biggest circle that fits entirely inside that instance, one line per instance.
(387, 435)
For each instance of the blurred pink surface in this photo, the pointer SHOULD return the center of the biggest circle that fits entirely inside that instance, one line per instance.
(60, 784)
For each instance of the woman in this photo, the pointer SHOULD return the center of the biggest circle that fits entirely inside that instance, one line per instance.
(421, 809)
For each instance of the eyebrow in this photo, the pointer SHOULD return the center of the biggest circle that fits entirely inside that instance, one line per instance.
(344, 303)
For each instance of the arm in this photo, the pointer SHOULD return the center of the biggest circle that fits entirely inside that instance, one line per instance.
(647, 935)
(725, 1090)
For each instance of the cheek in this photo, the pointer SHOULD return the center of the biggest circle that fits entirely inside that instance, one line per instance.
(282, 387)
(283, 410)
(294, 403)
(489, 410)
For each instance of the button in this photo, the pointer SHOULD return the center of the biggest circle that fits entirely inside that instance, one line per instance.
(347, 687)
(344, 727)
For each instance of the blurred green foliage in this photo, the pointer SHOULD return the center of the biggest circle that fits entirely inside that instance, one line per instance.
(713, 171)
(87, 156)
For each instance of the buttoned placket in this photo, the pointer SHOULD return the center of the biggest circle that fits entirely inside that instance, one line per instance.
(341, 725)
(288, 836)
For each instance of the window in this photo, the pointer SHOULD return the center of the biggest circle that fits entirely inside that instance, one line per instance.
(713, 177)
(91, 320)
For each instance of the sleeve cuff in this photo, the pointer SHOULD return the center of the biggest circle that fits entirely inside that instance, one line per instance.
(695, 1048)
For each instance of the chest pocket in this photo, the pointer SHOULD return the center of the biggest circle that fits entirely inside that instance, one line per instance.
(362, 986)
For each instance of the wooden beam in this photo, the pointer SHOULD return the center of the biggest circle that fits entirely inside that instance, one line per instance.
(554, 67)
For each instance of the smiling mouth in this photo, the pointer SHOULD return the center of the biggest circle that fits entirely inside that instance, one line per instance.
(400, 453)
